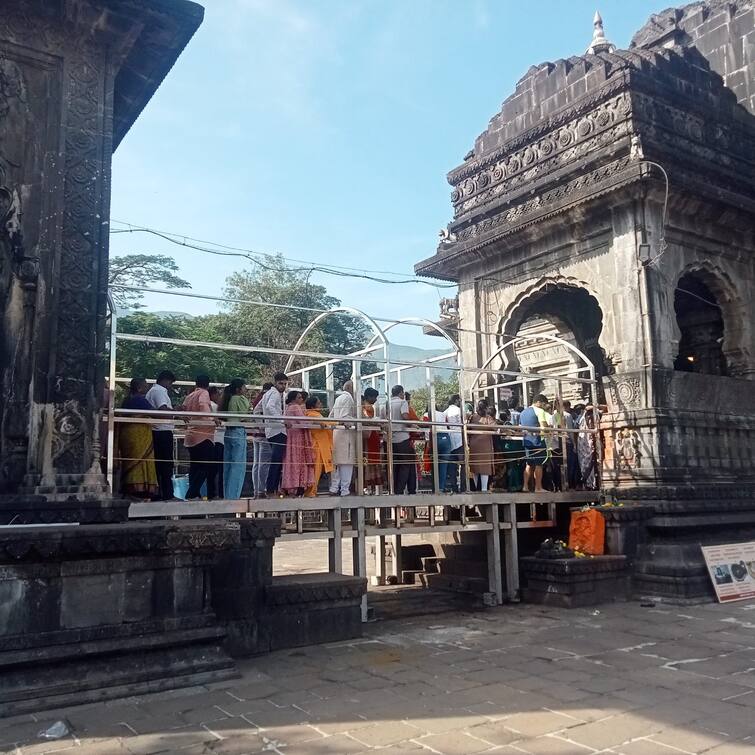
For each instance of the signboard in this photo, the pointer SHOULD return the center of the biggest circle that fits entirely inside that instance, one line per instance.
(732, 570)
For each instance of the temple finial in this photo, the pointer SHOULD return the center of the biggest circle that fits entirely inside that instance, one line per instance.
(599, 42)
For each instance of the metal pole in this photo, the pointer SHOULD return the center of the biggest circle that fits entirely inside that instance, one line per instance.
(389, 428)
(111, 395)
(433, 428)
(356, 369)
(596, 421)
(562, 423)
(330, 387)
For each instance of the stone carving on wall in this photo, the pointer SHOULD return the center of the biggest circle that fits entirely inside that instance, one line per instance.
(79, 261)
(627, 449)
(625, 393)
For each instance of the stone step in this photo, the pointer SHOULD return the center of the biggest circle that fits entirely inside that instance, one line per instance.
(409, 601)
(410, 576)
(430, 564)
(456, 583)
(142, 666)
(463, 552)
(463, 568)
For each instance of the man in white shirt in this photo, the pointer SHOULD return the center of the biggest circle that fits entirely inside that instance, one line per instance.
(404, 458)
(456, 457)
(162, 434)
(344, 442)
(275, 429)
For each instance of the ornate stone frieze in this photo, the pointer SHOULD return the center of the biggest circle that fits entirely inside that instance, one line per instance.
(87, 541)
(547, 202)
(573, 141)
(542, 132)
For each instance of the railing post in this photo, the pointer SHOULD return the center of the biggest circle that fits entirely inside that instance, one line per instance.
(495, 578)
(356, 370)
(511, 554)
(335, 553)
(359, 552)
(433, 429)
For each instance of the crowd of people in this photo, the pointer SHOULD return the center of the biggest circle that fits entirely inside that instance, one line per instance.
(508, 448)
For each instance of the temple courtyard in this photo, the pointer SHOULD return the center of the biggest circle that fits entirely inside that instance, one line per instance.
(625, 678)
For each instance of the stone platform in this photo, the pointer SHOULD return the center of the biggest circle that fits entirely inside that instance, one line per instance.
(95, 612)
(624, 680)
(575, 582)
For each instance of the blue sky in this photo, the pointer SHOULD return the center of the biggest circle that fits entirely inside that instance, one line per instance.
(323, 129)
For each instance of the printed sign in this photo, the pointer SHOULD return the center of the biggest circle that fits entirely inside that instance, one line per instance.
(732, 569)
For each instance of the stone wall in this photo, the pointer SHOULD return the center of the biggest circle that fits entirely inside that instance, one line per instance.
(722, 30)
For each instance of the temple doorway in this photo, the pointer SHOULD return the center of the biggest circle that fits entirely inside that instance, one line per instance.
(550, 326)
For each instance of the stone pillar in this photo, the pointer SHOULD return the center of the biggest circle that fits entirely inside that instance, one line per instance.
(56, 87)
(74, 76)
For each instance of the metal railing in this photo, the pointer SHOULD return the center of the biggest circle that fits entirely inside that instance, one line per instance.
(356, 520)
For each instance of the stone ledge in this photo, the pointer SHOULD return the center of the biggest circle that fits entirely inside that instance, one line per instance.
(38, 509)
(50, 544)
(627, 513)
(296, 589)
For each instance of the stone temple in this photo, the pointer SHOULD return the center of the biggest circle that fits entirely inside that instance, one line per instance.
(613, 197)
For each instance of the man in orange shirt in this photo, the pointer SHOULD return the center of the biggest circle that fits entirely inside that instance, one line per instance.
(200, 436)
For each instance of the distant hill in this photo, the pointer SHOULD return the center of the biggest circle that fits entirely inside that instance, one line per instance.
(414, 377)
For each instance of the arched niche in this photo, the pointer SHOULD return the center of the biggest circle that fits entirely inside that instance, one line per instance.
(711, 324)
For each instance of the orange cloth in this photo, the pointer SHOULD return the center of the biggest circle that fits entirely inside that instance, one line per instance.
(322, 439)
(587, 532)
(414, 435)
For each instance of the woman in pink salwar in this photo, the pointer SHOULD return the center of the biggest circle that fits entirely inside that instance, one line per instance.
(299, 462)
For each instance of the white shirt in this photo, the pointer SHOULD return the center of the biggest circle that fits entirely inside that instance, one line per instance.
(453, 417)
(273, 406)
(158, 397)
(399, 407)
(438, 416)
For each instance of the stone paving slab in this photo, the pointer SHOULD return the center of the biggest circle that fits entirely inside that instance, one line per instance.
(515, 679)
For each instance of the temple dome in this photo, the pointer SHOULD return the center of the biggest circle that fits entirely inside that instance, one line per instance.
(548, 89)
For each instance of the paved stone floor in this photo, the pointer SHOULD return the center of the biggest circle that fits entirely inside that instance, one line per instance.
(517, 679)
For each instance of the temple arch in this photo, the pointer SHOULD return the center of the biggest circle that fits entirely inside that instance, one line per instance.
(559, 312)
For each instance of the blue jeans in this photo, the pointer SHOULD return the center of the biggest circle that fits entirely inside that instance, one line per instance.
(234, 461)
(456, 460)
(444, 457)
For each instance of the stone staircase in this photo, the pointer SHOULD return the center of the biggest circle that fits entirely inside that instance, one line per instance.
(455, 562)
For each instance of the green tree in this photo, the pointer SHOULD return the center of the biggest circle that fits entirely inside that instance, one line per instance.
(138, 359)
(247, 325)
(272, 282)
(141, 270)
(444, 389)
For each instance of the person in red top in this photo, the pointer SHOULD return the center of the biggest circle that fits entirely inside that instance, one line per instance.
(200, 436)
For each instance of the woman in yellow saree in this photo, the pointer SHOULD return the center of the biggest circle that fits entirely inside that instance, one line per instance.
(138, 475)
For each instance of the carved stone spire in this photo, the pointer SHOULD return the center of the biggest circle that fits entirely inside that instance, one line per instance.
(599, 42)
